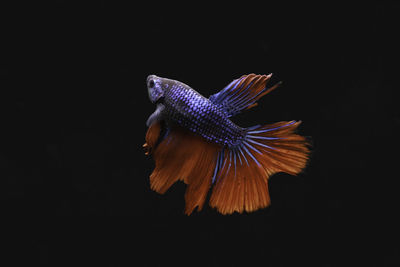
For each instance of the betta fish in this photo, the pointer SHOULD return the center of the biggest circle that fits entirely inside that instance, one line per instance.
(192, 139)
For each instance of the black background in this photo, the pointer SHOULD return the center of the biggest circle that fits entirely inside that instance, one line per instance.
(73, 122)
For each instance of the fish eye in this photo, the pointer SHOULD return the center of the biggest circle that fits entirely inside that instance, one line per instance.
(151, 84)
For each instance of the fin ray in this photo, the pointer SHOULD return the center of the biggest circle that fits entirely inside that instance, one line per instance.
(278, 149)
(242, 93)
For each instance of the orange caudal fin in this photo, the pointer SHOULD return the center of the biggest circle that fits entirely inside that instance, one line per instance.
(241, 180)
(239, 175)
(242, 93)
(182, 155)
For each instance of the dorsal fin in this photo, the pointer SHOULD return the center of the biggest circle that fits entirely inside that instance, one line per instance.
(242, 93)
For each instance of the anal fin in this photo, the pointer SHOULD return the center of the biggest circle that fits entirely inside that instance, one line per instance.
(185, 156)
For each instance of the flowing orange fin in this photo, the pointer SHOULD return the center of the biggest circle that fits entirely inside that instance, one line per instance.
(185, 156)
(171, 161)
(282, 149)
(242, 181)
(199, 179)
(239, 188)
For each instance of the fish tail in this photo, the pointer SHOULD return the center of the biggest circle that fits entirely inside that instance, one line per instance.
(241, 173)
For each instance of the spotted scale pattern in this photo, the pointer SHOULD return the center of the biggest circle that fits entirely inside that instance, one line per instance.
(189, 109)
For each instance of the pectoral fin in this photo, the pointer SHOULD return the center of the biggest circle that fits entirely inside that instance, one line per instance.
(156, 116)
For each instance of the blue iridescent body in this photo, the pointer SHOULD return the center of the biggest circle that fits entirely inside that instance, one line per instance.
(180, 104)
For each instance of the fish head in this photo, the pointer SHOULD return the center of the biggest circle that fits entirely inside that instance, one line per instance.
(155, 88)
